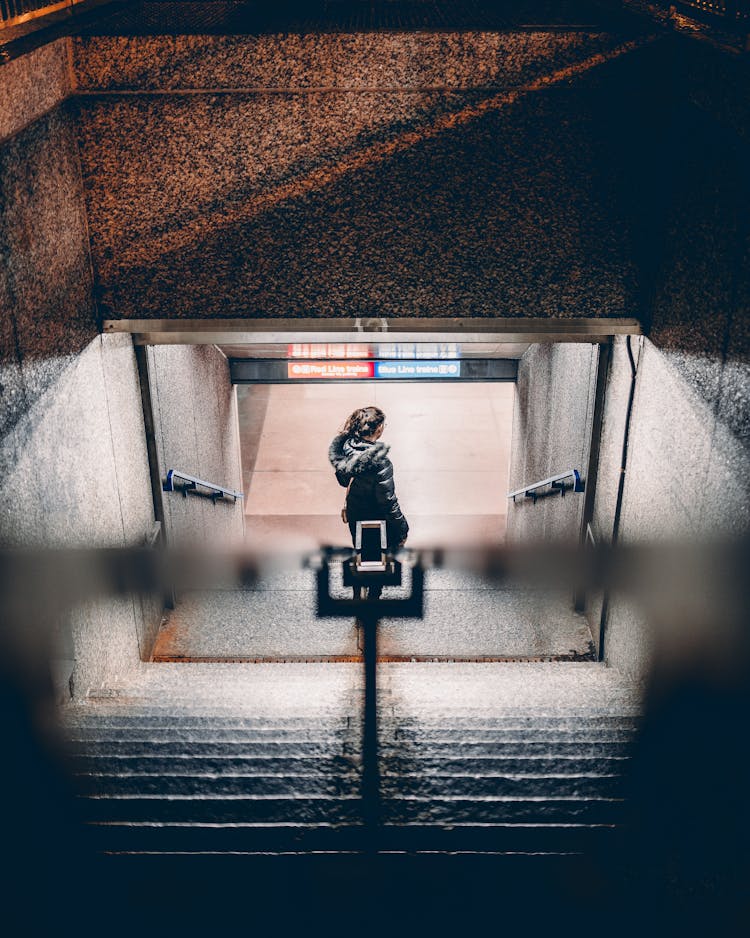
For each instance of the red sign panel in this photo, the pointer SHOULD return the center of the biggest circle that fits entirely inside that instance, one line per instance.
(310, 371)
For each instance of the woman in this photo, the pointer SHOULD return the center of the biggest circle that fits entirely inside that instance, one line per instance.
(358, 457)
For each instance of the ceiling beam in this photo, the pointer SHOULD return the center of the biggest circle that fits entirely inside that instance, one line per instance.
(270, 331)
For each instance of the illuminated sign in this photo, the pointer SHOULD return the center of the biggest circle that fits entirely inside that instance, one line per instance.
(310, 371)
(393, 370)
(430, 350)
(417, 369)
(328, 350)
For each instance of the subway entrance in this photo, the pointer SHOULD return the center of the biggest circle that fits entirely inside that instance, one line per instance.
(459, 443)
(447, 431)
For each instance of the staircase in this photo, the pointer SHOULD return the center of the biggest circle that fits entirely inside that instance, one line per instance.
(498, 759)
(516, 783)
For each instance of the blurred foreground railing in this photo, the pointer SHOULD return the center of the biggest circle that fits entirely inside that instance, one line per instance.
(672, 581)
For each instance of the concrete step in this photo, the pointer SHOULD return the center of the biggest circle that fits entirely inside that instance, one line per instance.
(484, 749)
(502, 809)
(292, 786)
(277, 839)
(485, 720)
(220, 721)
(170, 714)
(394, 764)
(521, 786)
(435, 753)
(236, 748)
(203, 733)
(190, 764)
(347, 809)
(312, 809)
(539, 733)
(171, 703)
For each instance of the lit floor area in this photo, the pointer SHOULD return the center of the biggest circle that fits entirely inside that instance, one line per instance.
(466, 618)
(450, 447)
(424, 690)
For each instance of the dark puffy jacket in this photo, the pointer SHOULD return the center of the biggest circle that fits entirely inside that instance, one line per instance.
(373, 492)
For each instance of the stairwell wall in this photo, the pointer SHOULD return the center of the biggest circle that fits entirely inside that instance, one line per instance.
(197, 431)
(73, 468)
(689, 446)
(552, 422)
(365, 174)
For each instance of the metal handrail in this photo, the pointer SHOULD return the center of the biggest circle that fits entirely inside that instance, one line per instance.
(191, 485)
(554, 482)
(15, 12)
(726, 12)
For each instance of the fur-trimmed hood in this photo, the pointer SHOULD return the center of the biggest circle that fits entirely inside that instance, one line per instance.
(367, 473)
(352, 457)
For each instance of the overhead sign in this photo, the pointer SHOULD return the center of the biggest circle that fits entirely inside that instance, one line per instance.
(393, 370)
(310, 371)
(429, 350)
(418, 369)
(328, 350)
(281, 371)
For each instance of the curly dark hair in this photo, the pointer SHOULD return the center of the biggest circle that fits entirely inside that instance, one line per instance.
(364, 422)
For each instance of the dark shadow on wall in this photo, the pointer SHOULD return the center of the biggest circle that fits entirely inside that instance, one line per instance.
(510, 213)
(49, 315)
(679, 137)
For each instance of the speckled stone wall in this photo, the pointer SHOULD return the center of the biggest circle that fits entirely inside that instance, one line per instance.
(32, 85)
(417, 185)
(77, 476)
(357, 61)
(73, 467)
(197, 431)
(552, 421)
(48, 313)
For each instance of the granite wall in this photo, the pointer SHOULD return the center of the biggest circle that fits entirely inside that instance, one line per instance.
(33, 85)
(363, 61)
(197, 431)
(552, 421)
(422, 174)
(48, 312)
(73, 468)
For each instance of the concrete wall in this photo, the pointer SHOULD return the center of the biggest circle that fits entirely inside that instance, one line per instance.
(77, 476)
(552, 422)
(197, 431)
(687, 477)
(73, 468)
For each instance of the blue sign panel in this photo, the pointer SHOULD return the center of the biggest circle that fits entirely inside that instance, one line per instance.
(418, 369)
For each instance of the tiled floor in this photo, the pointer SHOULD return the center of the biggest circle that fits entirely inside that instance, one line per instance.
(450, 447)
